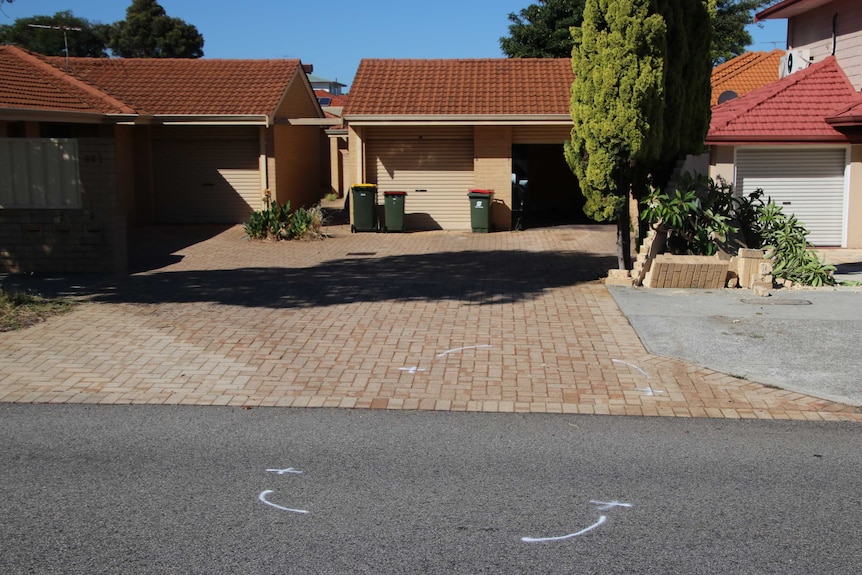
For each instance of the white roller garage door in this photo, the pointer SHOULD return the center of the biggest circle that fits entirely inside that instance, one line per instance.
(808, 183)
(436, 174)
(206, 181)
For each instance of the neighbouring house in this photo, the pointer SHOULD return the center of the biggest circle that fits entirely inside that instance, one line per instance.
(333, 87)
(438, 128)
(743, 74)
(800, 138)
(91, 146)
(333, 107)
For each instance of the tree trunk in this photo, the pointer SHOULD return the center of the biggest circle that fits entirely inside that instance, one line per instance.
(624, 236)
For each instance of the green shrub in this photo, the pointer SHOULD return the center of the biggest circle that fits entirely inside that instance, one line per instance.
(277, 222)
(700, 214)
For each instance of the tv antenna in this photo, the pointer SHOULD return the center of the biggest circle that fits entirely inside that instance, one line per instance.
(65, 39)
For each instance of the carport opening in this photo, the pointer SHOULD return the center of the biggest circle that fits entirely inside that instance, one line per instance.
(545, 192)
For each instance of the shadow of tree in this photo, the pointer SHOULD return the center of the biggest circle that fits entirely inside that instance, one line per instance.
(471, 277)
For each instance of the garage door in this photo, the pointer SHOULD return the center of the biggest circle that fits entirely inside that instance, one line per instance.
(436, 174)
(807, 183)
(206, 181)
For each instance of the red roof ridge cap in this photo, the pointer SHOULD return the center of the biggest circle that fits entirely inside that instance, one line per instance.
(48, 68)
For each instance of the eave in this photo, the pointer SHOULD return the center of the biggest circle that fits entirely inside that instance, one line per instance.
(458, 119)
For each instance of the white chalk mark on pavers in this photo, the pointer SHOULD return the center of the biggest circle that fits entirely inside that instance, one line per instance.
(631, 365)
(650, 392)
(411, 370)
(457, 349)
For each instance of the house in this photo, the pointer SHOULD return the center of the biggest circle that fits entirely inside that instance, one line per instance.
(438, 128)
(333, 107)
(743, 74)
(334, 87)
(91, 146)
(800, 138)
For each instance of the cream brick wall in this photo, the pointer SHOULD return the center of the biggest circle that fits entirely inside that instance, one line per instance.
(492, 170)
(854, 206)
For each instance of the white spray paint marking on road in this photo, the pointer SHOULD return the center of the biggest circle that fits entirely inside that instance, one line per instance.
(262, 498)
(649, 392)
(601, 520)
(285, 471)
(605, 505)
(457, 349)
(631, 365)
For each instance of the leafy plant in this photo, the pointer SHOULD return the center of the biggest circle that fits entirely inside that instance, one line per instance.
(786, 242)
(697, 215)
(277, 222)
(701, 213)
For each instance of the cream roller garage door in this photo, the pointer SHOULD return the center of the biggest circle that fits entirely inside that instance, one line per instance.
(808, 183)
(436, 174)
(206, 181)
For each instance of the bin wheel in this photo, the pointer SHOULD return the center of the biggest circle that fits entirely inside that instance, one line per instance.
(352, 229)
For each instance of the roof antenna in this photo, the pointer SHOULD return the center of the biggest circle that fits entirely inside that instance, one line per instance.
(65, 40)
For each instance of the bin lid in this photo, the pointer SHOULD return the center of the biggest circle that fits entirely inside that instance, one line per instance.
(392, 193)
(485, 192)
(365, 186)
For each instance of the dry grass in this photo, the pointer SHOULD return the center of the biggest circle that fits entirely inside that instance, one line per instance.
(20, 310)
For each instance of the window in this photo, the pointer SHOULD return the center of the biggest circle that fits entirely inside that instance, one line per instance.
(39, 173)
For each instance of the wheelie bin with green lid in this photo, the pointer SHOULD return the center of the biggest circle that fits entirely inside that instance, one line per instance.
(480, 210)
(393, 213)
(364, 198)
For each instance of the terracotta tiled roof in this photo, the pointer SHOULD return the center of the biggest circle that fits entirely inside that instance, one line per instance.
(745, 73)
(793, 109)
(504, 86)
(166, 86)
(337, 100)
(29, 82)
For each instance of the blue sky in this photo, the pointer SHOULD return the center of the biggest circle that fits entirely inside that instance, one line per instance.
(334, 35)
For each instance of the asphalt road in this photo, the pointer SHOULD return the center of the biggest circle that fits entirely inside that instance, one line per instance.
(221, 490)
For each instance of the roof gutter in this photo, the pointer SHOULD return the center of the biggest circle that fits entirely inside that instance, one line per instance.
(211, 120)
(458, 119)
(35, 115)
(755, 139)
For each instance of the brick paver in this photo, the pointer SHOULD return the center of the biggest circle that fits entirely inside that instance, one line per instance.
(504, 322)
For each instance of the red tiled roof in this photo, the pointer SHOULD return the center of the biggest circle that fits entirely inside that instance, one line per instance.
(504, 86)
(851, 116)
(793, 109)
(745, 73)
(167, 86)
(31, 83)
(337, 100)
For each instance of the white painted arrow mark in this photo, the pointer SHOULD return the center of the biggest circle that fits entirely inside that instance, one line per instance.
(601, 520)
(457, 349)
(631, 365)
(285, 471)
(262, 498)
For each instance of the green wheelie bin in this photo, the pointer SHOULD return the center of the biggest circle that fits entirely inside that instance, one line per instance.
(480, 210)
(364, 198)
(393, 213)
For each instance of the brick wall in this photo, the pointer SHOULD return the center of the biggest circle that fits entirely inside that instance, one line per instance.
(59, 241)
(492, 170)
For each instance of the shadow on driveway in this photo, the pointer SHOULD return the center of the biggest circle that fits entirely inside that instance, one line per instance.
(475, 277)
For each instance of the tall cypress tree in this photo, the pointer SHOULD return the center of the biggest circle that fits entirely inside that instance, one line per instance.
(617, 105)
(148, 32)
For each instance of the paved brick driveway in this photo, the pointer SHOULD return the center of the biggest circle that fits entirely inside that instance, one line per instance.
(433, 320)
